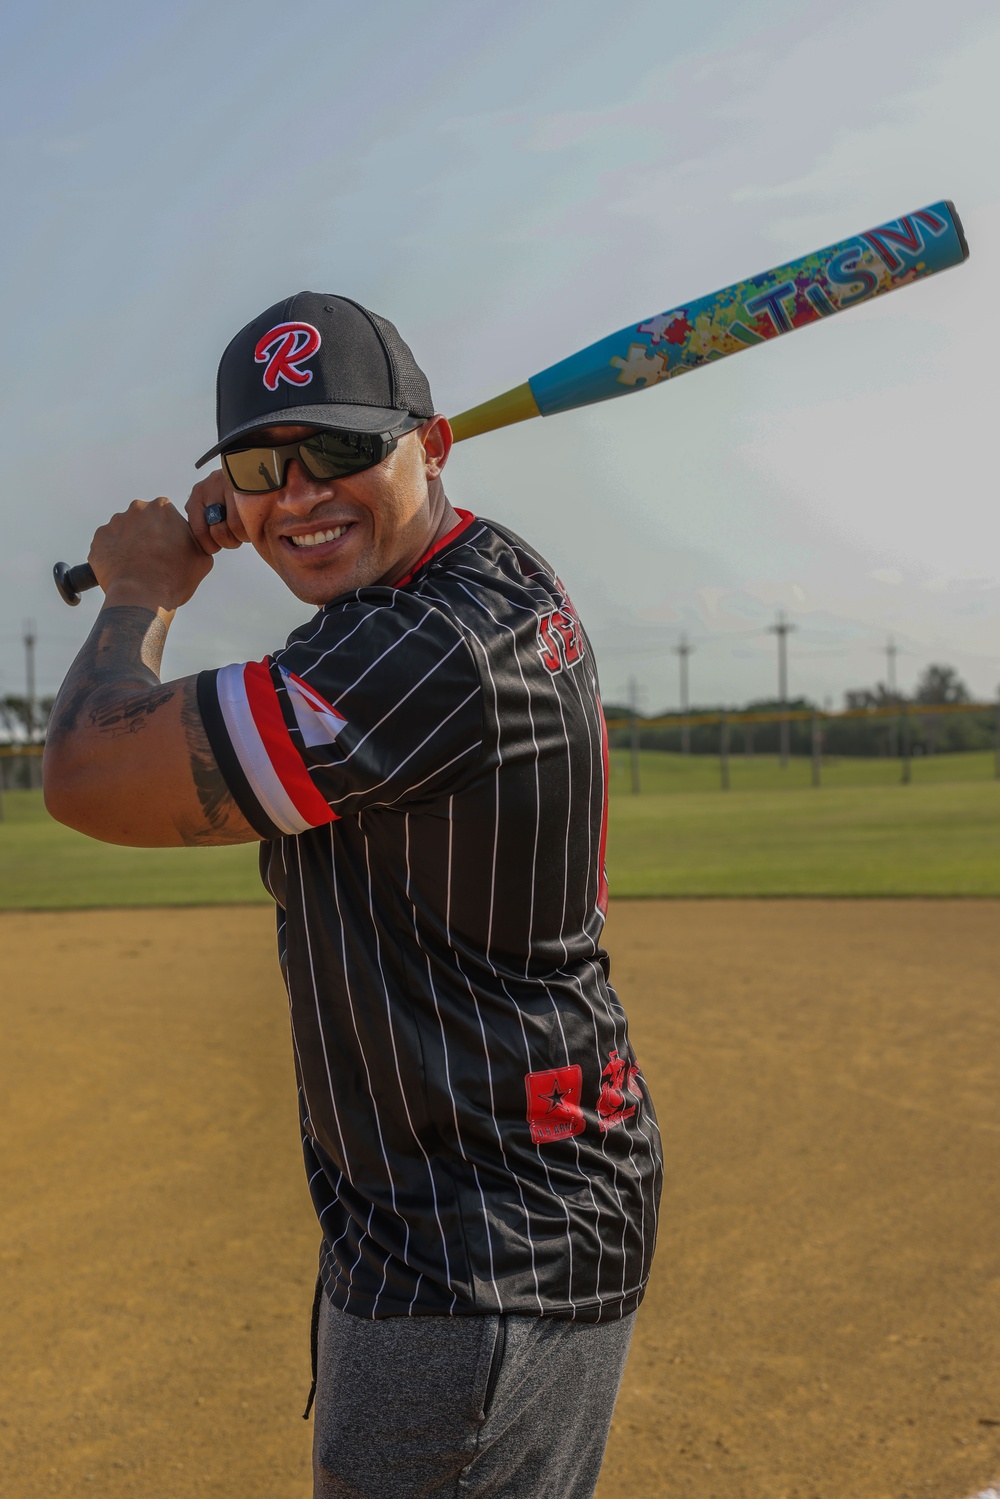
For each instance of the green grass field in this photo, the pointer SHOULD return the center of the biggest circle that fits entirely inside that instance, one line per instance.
(773, 833)
(861, 833)
(45, 866)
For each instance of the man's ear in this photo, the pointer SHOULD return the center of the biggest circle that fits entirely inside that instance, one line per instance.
(436, 440)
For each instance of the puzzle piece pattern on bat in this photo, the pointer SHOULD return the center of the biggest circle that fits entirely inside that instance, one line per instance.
(657, 326)
(641, 367)
(671, 327)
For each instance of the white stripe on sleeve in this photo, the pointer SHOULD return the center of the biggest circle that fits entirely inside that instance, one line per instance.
(252, 754)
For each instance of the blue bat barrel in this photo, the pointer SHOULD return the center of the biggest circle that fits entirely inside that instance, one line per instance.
(756, 310)
(737, 317)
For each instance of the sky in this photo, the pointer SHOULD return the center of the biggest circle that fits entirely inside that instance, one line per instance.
(508, 184)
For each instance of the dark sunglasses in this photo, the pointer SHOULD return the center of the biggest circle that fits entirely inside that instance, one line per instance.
(325, 455)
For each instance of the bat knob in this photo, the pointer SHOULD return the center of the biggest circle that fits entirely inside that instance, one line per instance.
(72, 581)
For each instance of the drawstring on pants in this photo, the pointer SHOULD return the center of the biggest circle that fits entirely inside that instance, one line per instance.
(314, 1344)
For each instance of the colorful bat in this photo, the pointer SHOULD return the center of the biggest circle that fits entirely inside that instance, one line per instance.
(751, 312)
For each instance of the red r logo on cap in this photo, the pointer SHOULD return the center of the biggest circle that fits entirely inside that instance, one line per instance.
(284, 349)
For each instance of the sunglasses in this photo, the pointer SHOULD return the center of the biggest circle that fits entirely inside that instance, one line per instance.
(325, 455)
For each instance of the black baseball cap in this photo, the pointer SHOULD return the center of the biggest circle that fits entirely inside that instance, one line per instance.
(320, 360)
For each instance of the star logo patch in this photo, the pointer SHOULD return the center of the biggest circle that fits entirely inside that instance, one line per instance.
(554, 1111)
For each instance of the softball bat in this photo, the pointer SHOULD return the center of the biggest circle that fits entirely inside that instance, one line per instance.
(739, 316)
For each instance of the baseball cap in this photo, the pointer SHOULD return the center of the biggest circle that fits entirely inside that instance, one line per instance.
(320, 360)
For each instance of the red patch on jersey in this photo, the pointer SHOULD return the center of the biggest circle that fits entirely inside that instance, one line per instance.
(554, 1111)
(559, 638)
(618, 1080)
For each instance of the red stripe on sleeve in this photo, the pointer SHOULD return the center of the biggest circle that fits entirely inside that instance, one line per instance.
(281, 752)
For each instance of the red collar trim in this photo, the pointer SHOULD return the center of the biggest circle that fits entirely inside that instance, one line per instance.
(465, 521)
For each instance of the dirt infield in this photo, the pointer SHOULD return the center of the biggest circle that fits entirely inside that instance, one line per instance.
(824, 1318)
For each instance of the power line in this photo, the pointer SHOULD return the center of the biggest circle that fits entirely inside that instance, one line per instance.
(659, 649)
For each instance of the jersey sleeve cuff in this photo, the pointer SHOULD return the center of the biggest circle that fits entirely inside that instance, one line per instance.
(228, 759)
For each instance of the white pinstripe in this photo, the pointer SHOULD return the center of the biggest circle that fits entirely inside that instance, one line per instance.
(444, 1040)
(486, 1053)
(360, 1256)
(378, 661)
(399, 1079)
(434, 775)
(339, 800)
(319, 1018)
(372, 611)
(361, 1049)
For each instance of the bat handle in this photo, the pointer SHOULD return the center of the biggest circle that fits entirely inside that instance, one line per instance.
(72, 581)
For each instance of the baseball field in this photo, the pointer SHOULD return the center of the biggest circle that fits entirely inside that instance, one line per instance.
(825, 1308)
(861, 834)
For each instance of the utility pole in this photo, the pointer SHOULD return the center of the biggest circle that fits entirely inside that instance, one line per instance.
(782, 628)
(891, 652)
(633, 702)
(683, 651)
(29, 674)
(817, 749)
(30, 714)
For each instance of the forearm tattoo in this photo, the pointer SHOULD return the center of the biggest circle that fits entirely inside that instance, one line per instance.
(127, 715)
(118, 664)
(113, 688)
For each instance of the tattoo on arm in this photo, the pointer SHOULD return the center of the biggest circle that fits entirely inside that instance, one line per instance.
(122, 651)
(214, 796)
(113, 688)
(127, 715)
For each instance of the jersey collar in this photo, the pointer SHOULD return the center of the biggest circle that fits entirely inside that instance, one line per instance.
(466, 518)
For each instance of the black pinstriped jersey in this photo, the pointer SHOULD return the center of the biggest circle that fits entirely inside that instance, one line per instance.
(428, 763)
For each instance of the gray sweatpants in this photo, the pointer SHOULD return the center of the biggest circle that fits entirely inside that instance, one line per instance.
(464, 1407)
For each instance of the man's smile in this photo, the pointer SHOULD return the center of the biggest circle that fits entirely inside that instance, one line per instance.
(318, 537)
(318, 542)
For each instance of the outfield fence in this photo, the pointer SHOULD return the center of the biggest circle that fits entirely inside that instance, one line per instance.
(904, 717)
(20, 768)
(21, 764)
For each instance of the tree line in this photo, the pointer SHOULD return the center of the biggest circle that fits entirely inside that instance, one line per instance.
(931, 734)
(22, 721)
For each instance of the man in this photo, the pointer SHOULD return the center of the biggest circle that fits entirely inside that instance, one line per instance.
(425, 766)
